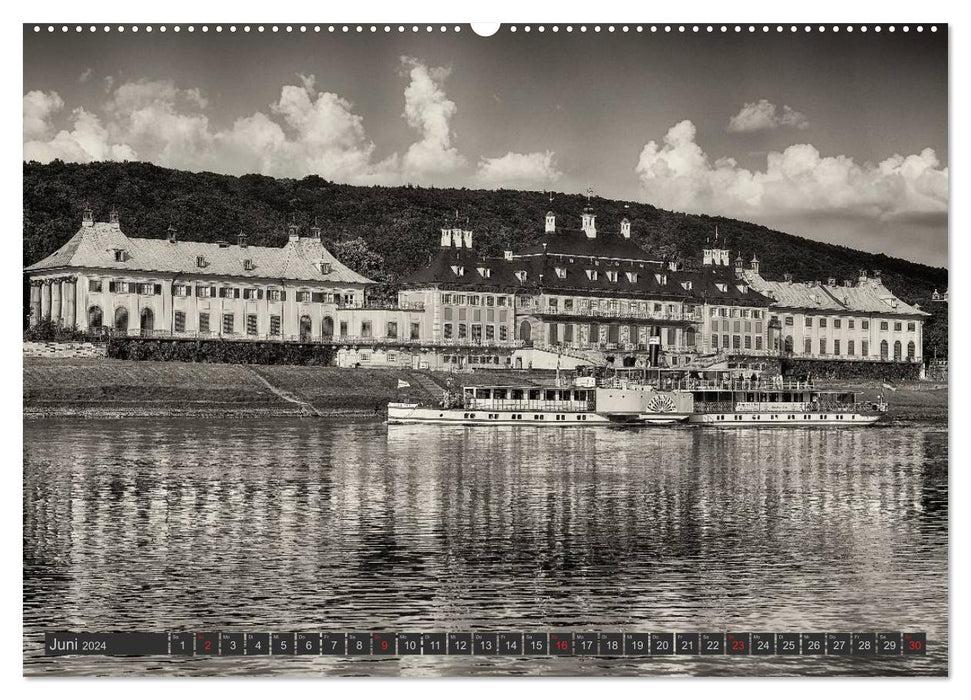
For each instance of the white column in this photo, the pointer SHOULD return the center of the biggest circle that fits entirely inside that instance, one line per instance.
(45, 299)
(35, 303)
(56, 302)
(68, 312)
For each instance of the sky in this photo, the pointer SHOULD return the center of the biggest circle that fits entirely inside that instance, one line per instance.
(836, 137)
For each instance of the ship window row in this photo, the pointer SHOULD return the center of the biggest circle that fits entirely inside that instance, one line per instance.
(473, 359)
(474, 331)
(476, 299)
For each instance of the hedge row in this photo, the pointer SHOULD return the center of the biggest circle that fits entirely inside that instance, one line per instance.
(219, 351)
(850, 369)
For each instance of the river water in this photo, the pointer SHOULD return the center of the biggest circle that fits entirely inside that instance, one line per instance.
(336, 525)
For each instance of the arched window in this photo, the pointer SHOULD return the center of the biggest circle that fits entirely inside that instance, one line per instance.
(306, 328)
(525, 330)
(95, 318)
(121, 319)
(911, 350)
(328, 327)
(884, 350)
(788, 345)
(896, 350)
(147, 321)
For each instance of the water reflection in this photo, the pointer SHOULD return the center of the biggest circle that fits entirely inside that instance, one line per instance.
(230, 525)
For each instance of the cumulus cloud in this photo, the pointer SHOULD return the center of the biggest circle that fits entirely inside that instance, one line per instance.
(305, 131)
(797, 182)
(763, 115)
(519, 169)
(430, 112)
(85, 75)
(39, 107)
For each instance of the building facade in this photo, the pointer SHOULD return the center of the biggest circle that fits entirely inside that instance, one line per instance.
(578, 296)
(102, 278)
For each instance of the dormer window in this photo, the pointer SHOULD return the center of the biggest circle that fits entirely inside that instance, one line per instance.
(661, 279)
(521, 276)
(742, 288)
(458, 270)
(561, 272)
(612, 275)
(324, 267)
(119, 255)
(485, 272)
(201, 261)
(632, 277)
(687, 285)
(592, 275)
(722, 287)
(247, 264)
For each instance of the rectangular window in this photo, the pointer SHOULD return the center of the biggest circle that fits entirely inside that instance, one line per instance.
(365, 329)
(865, 348)
(501, 301)
(206, 291)
(343, 329)
(203, 322)
(748, 342)
(822, 346)
(836, 347)
(737, 326)
(251, 324)
(851, 324)
(809, 322)
(249, 293)
(229, 323)
(317, 297)
(809, 346)
(179, 321)
(448, 313)
(758, 342)
(415, 330)
(884, 325)
(714, 341)
(392, 328)
(788, 320)
(463, 331)
(447, 331)
(473, 300)
(865, 325)
(303, 296)
(898, 326)
(446, 298)
(146, 288)
(822, 323)
(911, 326)
(181, 290)
(503, 333)
(476, 332)
(274, 294)
(94, 285)
(837, 323)
(850, 347)
(490, 332)
(736, 342)
(274, 325)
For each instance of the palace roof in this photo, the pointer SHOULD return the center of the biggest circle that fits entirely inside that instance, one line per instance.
(868, 295)
(97, 246)
(576, 243)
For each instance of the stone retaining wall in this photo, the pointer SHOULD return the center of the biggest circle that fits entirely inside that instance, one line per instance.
(54, 349)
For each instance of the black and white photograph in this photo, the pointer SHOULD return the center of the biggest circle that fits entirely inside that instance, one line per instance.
(441, 350)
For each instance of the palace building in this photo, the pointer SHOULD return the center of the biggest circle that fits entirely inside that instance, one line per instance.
(581, 295)
(145, 286)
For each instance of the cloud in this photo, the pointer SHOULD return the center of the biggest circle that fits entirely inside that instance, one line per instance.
(39, 107)
(85, 75)
(304, 131)
(430, 112)
(519, 169)
(763, 115)
(797, 183)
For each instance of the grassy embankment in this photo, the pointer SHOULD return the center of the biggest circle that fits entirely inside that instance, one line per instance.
(102, 387)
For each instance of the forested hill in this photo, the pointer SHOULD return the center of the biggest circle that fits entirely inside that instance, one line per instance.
(400, 225)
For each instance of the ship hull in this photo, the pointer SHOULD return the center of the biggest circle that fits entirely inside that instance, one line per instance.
(407, 414)
(791, 420)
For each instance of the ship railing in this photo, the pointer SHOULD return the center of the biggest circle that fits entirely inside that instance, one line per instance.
(540, 405)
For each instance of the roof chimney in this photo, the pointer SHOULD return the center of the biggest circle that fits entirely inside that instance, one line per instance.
(625, 227)
(170, 233)
(831, 282)
(468, 239)
(446, 237)
(315, 230)
(241, 239)
(550, 222)
(589, 222)
(755, 264)
(87, 216)
(293, 229)
(113, 218)
(787, 277)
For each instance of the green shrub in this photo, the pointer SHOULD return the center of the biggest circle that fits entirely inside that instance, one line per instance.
(219, 351)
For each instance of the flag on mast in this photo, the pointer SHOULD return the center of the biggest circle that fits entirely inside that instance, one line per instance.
(403, 384)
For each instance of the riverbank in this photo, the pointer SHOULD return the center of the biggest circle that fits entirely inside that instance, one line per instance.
(105, 388)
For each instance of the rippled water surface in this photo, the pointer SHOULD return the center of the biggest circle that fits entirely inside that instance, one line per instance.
(235, 525)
